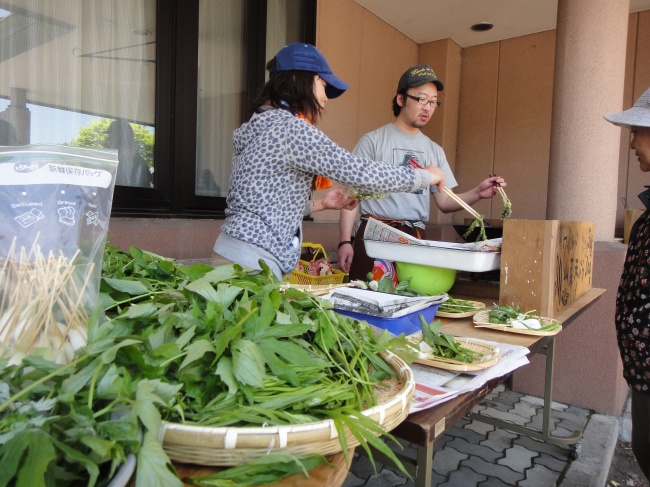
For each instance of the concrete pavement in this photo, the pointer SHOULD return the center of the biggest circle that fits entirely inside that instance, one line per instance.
(473, 453)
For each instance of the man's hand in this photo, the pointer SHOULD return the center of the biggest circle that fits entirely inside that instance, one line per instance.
(489, 187)
(346, 253)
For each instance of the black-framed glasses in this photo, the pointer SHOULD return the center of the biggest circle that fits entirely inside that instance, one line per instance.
(424, 101)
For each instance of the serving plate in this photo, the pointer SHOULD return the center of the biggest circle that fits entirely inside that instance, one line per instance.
(482, 320)
(491, 356)
(465, 314)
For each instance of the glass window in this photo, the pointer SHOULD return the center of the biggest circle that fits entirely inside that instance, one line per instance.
(81, 73)
(221, 91)
(224, 99)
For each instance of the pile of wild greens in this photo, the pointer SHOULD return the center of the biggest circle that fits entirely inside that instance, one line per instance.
(194, 344)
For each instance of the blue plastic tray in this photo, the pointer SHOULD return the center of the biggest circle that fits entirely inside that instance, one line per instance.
(405, 324)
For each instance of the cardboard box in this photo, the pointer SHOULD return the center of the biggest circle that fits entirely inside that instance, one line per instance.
(546, 265)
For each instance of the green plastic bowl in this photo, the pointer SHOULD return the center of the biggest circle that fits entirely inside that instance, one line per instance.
(426, 279)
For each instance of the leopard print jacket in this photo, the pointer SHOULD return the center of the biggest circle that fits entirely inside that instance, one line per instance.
(276, 156)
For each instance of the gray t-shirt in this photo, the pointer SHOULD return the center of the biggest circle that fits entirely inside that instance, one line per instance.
(390, 145)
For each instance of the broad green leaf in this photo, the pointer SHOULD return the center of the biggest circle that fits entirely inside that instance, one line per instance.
(154, 466)
(224, 370)
(76, 382)
(224, 339)
(109, 355)
(75, 456)
(25, 458)
(203, 288)
(292, 353)
(186, 337)
(248, 362)
(227, 293)
(140, 311)
(196, 351)
(134, 288)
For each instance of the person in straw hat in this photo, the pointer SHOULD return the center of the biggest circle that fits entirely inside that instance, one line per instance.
(633, 298)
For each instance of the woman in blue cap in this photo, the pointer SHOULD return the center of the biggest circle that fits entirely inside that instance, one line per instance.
(278, 154)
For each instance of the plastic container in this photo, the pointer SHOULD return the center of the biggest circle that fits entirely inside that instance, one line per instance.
(450, 256)
(407, 324)
(426, 279)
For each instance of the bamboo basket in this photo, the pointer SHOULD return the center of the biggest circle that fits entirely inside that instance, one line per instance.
(298, 276)
(490, 356)
(229, 446)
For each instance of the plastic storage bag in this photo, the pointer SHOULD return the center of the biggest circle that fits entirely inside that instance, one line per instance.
(55, 205)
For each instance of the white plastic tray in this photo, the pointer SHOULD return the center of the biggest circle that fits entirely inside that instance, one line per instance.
(447, 257)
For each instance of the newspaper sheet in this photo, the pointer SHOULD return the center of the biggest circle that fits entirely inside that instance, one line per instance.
(379, 231)
(381, 304)
(434, 386)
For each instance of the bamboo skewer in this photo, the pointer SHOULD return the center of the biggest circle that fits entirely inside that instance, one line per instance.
(42, 302)
(464, 205)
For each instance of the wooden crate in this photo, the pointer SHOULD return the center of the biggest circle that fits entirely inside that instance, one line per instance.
(546, 265)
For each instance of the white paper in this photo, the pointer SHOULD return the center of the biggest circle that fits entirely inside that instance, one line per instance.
(434, 386)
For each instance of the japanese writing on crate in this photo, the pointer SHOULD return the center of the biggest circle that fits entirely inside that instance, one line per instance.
(574, 263)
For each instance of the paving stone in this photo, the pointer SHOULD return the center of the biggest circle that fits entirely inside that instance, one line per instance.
(499, 440)
(551, 462)
(494, 482)
(441, 442)
(559, 452)
(353, 481)
(518, 458)
(525, 410)
(463, 477)
(386, 478)
(466, 434)
(539, 476)
(573, 414)
(579, 411)
(362, 467)
(447, 461)
(505, 416)
(471, 449)
(509, 397)
(480, 427)
(492, 469)
(539, 401)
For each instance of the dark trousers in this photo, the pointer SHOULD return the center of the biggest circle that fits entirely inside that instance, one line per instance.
(641, 430)
(361, 263)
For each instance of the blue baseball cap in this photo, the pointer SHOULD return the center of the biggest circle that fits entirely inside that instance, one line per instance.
(305, 57)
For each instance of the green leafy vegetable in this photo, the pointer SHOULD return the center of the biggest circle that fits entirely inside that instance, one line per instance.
(480, 223)
(443, 344)
(453, 305)
(508, 315)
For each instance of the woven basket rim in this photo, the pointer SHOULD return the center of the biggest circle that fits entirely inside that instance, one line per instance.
(401, 399)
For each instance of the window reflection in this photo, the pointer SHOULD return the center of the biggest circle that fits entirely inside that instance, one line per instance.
(67, 69)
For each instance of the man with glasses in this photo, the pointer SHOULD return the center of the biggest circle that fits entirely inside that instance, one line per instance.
(402, 143)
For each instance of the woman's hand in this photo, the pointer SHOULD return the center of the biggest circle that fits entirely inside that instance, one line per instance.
(437, 176)
(335, 199)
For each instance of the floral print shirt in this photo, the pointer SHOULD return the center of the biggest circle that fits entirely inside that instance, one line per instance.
(633, 307)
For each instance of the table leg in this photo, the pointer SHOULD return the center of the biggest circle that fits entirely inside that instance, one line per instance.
(545, 433)
(424, 466)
